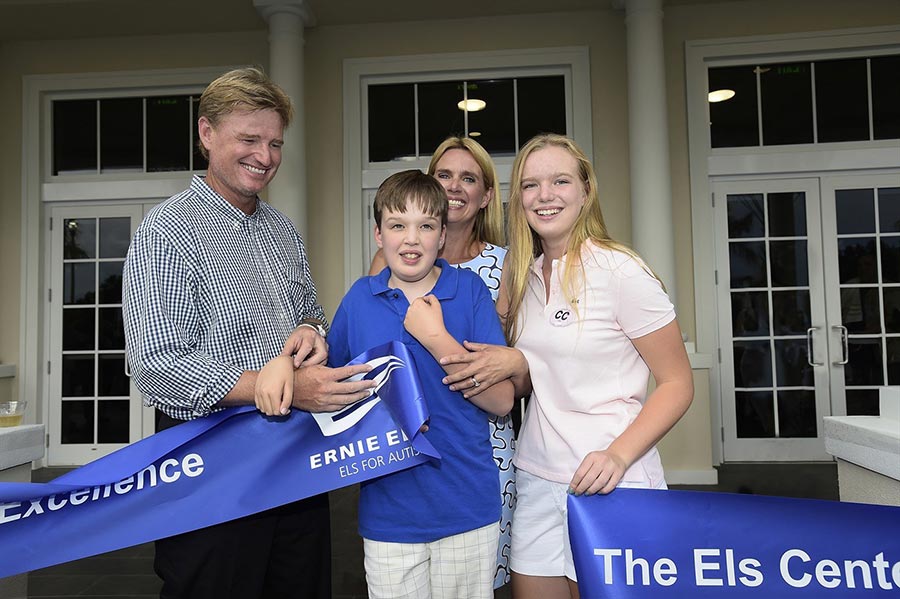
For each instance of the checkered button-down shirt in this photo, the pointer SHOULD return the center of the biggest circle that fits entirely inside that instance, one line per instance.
(209, 292)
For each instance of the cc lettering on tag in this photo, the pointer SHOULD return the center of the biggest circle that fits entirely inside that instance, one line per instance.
(561, 318)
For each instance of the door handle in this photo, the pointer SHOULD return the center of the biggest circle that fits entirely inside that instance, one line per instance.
(845, 353)
(809, 347)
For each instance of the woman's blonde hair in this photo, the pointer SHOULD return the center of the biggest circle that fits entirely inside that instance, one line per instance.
(489, 220)
(525, 245)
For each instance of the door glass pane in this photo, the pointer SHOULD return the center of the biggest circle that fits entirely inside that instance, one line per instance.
(78, 329)
(495, 125)
(750, 314)
(790, 266)
(77, 422)
(892, 309)
(860, 311)
(392, 122)
(79, 283)
(752, 364)
(79, 238)
(111, 379)
(115, 235)
(787, 214)
(110, 331)
(842, 100)
(122, 134)
(755, 414)
(797, 414)
(791, 366)
(890, 259)
(110, 282)
(886, 96)
(857, 262)
(862, 402)
(786, 98)
(74, 136)
(893, 360)
(78, 375)
(541, 106)
(439, 113)
(112, 421)
(168, 134)
(746, 215)
(747, 261)
(734, 122)
(855, 211)
(865, 364)
(790, 312)
(889, 210)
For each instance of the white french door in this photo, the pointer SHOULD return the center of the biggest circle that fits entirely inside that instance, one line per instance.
(92, 407)
(808, 290)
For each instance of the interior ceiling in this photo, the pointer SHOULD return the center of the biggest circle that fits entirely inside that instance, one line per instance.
(22, 20)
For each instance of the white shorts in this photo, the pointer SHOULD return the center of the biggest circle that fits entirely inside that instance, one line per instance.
(456, 567)
(540, 537)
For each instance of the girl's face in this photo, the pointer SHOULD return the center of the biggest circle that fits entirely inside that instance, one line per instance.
(464, 183)
(552, 195)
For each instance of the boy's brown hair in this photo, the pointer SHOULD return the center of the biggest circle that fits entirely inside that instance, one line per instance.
(398, 190)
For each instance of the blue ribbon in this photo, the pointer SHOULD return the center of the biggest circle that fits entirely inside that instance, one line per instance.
(639, 543)
(230, 464)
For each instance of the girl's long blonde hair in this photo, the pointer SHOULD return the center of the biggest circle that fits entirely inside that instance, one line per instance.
(525, 245)
(489, 220)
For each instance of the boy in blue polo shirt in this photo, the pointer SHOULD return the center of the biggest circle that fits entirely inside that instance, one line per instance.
(431, 530)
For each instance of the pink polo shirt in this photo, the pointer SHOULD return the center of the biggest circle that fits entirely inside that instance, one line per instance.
(589, 382)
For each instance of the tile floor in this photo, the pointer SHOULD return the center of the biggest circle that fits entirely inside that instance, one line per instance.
(128, 573)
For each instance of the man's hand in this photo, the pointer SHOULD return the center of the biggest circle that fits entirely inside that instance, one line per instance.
(321, 389)
(307, 347)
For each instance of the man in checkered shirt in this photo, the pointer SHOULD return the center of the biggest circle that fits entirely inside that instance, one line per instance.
(216, 284)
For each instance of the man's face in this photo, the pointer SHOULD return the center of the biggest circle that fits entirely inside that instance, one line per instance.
(244, 154)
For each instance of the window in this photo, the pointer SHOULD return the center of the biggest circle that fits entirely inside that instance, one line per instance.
(133, 134)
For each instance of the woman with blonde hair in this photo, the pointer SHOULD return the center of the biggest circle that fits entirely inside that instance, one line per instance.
(588, 322)
(474, 241)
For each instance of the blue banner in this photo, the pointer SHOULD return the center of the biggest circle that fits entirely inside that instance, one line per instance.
(231, 464)
(639, 543)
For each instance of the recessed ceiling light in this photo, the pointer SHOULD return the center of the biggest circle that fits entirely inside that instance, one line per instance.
(720, 95)
(471, 105)
(474, 133)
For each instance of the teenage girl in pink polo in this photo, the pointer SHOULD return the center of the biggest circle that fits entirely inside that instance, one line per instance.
(588, 323)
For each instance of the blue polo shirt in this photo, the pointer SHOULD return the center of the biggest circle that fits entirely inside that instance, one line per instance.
(441, 497)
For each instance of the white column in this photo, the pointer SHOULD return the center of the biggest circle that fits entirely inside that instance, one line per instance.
(648, 135)
(287, 20)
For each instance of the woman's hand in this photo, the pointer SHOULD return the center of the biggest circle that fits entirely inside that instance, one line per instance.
(484, 363)
(599, 472)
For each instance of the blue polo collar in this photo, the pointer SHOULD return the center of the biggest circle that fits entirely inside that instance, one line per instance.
(444, 289)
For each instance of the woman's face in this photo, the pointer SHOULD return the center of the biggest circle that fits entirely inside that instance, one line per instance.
(464, 183)
(552, 194)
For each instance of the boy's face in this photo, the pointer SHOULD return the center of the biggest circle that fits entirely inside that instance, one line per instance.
(410, 242)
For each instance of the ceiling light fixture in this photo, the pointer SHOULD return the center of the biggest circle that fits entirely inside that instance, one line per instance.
(720, 95)
(471, 105)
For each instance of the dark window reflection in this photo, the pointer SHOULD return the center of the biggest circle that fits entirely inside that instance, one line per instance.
(122, 134)
(855, 211)
(439, 113)
(755, 413)
(746, 216)
(168, 134)
(786, 96)
(79, 238)
(790, 312)
(74, 136)
(77, 422)
(392, 122)
(752, 364)
(734, 122)
(893, 360)
(112, 421)
(892, 309)
(541, 106)
(791, 366)
(890, 259)
(857, 262)
(111, 379)
(797, 414)
(862, 402)
(115, 235)
(78, 376)
(886, 96)
(110, 331)
(110, 282)
(889, 209)
(78, 329)
(842, 100)
(78, 283)
(747, 261)
(789, 263)
(865, 363)
(750, 314)
(787, 214)
(495, 124)
(860, 312)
